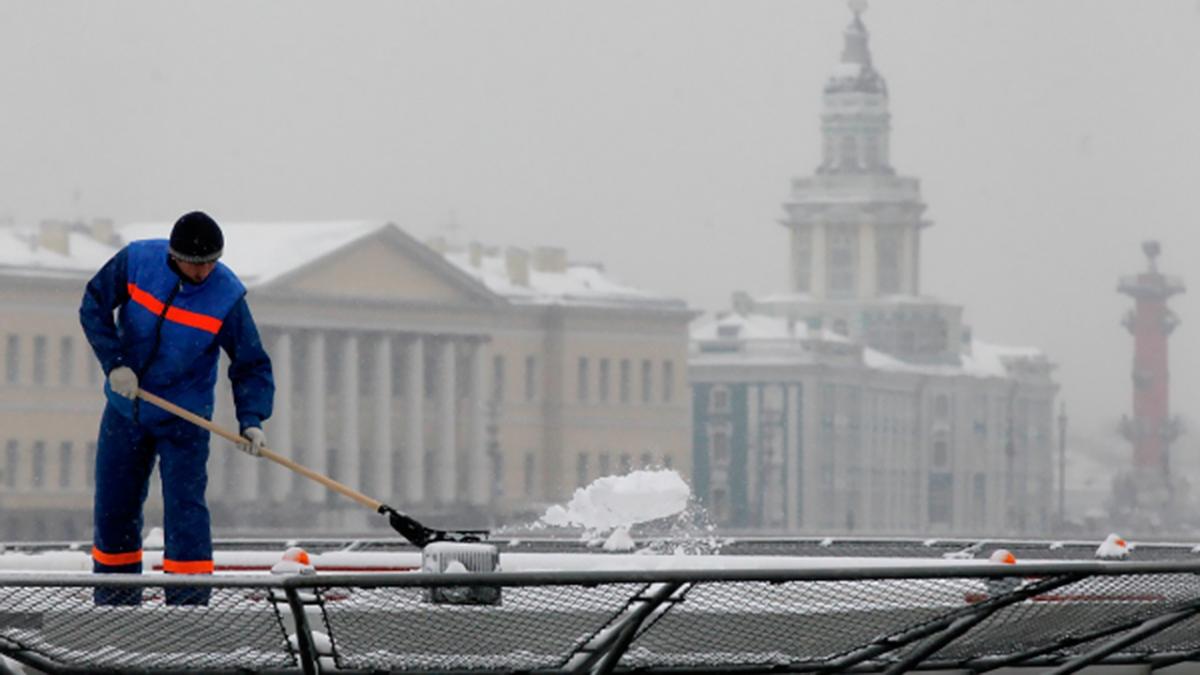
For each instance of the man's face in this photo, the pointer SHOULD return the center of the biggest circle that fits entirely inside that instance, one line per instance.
(195, 272)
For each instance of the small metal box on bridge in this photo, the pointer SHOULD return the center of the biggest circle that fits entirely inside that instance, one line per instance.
(446, 556)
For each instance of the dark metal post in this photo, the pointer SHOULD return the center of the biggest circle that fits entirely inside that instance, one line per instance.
(1062, 465)
(308, 650)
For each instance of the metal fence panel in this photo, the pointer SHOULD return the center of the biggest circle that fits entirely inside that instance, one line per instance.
(239, 628)
(535, 627)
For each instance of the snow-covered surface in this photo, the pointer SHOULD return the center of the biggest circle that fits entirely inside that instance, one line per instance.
(772, 339)
(577, 283)
(619, 540)
(262, 252)
(1113, 547)
(19, 248)
(622, 501)
(154, 539)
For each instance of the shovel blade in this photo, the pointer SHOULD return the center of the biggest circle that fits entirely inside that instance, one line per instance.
(420, 536)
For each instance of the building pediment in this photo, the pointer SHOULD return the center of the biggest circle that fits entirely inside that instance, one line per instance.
(386, 265)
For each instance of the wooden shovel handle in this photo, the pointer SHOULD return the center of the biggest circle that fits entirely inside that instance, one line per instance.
(328, 482)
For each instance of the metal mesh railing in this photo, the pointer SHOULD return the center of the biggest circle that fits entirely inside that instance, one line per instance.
(832, 619)
(62, 625)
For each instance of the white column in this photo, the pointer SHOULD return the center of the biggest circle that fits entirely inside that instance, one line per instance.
(413, 467)
(349, 455)
(754, 449)
(279, 427)
(477, 463)
(445, 460)
(868, 286)
(793, 462)
(381, 390)
(316, 450)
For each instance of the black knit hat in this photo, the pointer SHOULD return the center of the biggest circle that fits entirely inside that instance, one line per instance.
(196, 238)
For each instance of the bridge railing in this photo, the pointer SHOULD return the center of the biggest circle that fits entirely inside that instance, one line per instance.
(891, 617)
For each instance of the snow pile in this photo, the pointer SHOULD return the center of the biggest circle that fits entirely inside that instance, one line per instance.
(1113, 548)
(619, 540)
(295, 560)
(154, 539)
(621, 501)
(1004, 556)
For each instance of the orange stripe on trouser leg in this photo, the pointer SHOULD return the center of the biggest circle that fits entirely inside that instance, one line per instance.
(115, 559)
(188, 566)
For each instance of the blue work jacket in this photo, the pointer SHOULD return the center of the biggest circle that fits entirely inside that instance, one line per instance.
(169, 331)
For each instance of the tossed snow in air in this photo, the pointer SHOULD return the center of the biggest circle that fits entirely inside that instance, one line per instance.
(621, 501)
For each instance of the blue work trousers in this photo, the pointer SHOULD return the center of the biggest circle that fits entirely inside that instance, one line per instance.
(125, 457)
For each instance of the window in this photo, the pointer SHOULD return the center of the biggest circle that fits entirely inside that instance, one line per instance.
(530, 466)
(603, 380)
(941, 495)
(497, 378)
(581, 470)
(12, 461)
(887, 263)
(979, 500)
(941, 406)
(626, 463)
(38, 478)
(581, 379)
(843, 261)
(941, 453)
(12, 359)
(849, 152)
(871, 151)
(647, 383)
(605, 464)
(626, 376)
(720, 400)
(65, 464)
(720, 446)
(530, 378)
(668, 381)
(668, 462)
(647, 459)
(66, 360)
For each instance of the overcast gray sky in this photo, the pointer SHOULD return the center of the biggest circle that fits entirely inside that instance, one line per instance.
(657, 136)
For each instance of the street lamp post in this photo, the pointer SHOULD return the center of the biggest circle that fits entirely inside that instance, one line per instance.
(1062, 464)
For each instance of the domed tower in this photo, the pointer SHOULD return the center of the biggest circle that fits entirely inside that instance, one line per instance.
(856, 226)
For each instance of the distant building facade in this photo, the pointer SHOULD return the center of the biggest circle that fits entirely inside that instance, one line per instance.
(462, 384)
(852, 402)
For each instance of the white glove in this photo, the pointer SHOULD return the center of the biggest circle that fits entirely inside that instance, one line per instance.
(123, 381)
(255, 441)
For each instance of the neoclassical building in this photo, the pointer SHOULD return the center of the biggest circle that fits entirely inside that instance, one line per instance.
(853, 402)
(467, 384)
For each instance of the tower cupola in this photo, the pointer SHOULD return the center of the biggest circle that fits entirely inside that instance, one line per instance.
(855, 122)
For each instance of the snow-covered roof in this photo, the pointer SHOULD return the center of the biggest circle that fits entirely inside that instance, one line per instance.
(21, 249)
(262, 252)
(772, 339)
(573, 283)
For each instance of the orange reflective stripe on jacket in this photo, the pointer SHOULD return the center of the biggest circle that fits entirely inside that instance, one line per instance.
(204, 322)
(114, 559)
(187, 566)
